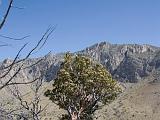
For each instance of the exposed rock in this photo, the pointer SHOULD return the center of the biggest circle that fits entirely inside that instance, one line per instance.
(126, 62)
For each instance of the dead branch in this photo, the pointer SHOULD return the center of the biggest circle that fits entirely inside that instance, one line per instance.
(15, 62)
(33, 107)
(12, 38)
(6, 14)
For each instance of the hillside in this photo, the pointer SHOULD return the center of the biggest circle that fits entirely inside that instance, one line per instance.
(139, 102)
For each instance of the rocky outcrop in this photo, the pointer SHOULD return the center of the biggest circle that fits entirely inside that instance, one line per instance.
(128, 62)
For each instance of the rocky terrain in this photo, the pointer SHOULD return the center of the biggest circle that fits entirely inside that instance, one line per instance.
(126, 62)
(136, 67)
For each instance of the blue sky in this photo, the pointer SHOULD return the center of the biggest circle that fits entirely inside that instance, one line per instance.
(81, 23)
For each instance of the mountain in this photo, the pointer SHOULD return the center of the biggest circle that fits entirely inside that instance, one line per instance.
(126, 62)
(137, 67)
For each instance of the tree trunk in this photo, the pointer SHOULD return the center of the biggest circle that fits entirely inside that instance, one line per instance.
(74, 116)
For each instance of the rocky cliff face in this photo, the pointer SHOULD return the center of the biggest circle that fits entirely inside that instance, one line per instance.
(127, 62)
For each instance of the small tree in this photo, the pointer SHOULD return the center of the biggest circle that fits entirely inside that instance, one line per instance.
(80, 85)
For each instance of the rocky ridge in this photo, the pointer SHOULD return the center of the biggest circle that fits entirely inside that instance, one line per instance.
(126, 62)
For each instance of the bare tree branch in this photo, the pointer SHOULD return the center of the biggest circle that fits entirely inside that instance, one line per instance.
(4, 45)
(9, 72)
(40, 43)
(6, 14)
(33, 107)
(13, 63)
(18, 7)
(12, 38)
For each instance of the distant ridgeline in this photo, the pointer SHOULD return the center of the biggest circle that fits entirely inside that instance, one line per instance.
(126, 62)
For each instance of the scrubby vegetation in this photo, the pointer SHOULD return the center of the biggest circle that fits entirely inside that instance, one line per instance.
(80, 86)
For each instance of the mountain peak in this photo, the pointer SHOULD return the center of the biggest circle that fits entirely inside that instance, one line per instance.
(124, 61)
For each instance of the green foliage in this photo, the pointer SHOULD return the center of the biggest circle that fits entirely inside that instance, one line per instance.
(80, 84)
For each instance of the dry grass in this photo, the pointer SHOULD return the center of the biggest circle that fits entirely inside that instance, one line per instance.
(139, 102)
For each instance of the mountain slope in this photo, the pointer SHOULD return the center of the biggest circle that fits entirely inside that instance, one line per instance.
(140, 102)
